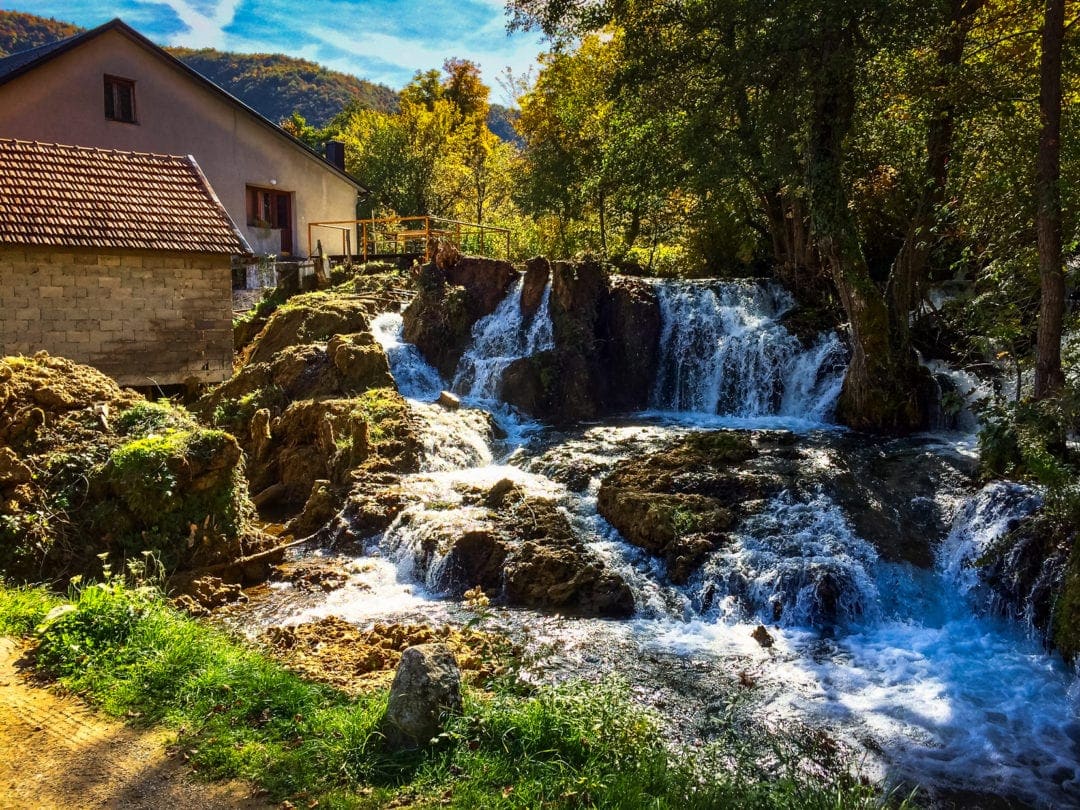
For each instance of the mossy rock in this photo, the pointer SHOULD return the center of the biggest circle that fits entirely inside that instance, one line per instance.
(112, 474)
(309, 318)
(1065, 633)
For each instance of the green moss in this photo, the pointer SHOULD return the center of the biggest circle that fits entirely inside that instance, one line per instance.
(158, 504)
(153, 417)
(1066, 623)
(382, 409)
(724, 445)
(235, 414)
(684, 522)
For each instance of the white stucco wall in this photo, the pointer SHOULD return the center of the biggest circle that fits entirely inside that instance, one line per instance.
(62, 101)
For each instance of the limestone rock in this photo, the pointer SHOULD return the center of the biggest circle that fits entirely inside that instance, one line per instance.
(426, 690)
(523, 552)
(537, 275)
(680, 503)
(449, 401)
(762, 636)
(310, 318)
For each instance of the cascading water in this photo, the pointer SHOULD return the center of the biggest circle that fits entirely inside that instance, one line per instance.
(498, 340)
(451, 439)
(907, 663)
(723, 351)
(797, 563)
(415, 378)
(983, 520)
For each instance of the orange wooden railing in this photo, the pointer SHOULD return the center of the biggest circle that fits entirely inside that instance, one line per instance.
(401, 231)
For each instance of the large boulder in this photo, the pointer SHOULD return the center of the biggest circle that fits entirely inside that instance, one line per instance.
(314, 415)
(606, 331)
(426, 690)
(310, 318)
(518, 547)
(681, 502)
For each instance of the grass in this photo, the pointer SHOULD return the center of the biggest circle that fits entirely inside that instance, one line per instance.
(239, 713)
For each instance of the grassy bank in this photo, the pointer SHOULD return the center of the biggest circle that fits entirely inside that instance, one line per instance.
(239, 713)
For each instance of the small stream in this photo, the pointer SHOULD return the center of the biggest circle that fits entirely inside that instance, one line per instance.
(915, 672)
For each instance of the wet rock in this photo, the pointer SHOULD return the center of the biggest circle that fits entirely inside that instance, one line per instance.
(892, 493)
(517, 547)
(426, 690)
(558, 575)
(1034, 575)
(762, 636)
(315, 575)
(373, 503)
(537, 275)
(680, 503)
(449, 401)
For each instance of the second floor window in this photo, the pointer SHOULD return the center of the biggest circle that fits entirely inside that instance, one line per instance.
(120, 99)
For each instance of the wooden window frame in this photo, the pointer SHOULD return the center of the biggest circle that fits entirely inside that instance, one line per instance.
(111, 84)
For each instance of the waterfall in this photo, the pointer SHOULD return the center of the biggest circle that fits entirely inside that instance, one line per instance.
(724, 351)
(451, 440)
(498, 340)
(982, 521)
(797, 563)
(415, 378)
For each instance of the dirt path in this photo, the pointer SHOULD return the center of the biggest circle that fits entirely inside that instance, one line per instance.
(57, 753)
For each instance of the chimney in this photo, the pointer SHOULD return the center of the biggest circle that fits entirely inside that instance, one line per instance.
(335, 153)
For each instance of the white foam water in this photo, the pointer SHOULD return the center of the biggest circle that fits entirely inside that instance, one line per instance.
(498, 340)
(416, 379)
(798, 563)
(724, 351)
(949, 695)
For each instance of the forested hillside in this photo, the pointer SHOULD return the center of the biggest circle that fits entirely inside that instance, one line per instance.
(277, 85)
(19, 31)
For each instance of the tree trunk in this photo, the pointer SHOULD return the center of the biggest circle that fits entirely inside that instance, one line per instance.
(909, 269)
(1048, 374)
(603, 227)
(882, 389)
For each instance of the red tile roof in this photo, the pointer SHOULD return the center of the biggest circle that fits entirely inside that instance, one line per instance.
(75, 196)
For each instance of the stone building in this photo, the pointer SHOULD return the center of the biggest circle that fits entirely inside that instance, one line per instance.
(120, 260)
(112, 88)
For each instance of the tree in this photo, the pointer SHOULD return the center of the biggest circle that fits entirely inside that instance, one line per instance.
(1049, 377)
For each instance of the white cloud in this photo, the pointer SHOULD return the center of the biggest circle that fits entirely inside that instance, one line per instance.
(203, 30)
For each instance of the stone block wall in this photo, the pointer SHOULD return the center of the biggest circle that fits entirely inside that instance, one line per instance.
(142, 317)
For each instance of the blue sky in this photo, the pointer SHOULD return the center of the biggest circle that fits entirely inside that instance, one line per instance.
(381, 40)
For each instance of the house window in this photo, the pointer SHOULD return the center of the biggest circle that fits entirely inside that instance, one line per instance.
(270, 208)
(120, 99)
